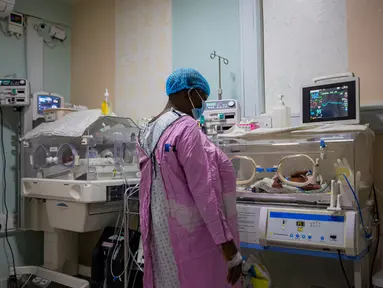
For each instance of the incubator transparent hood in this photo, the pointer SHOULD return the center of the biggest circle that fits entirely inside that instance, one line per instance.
(298, 167)
(84, 146)
(80, 165)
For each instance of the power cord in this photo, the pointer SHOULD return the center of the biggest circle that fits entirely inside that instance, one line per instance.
(343, 270)
(12, 280)
(377, 222)
(4, 30)
(366, 234)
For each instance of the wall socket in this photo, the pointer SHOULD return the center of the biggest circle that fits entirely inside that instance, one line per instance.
(11, 222)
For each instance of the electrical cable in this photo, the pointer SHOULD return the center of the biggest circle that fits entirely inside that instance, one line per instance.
(367, 235)
(377, 233)
(135, 190)
(5, 188)
(7, 34)
(343, 270)
(130, 251)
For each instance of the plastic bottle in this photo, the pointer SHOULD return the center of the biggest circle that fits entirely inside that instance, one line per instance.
(105, 106)
(281, 115)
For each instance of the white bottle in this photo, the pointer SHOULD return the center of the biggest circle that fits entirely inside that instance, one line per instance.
(281, 115)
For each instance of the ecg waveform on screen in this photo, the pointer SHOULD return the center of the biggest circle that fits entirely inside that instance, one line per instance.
(332, 102)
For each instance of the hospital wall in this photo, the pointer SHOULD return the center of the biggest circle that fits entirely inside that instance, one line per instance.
(306, 39)
(201, 27)
(28, 246)
(93, 52)
(365, 42)
(143, 56)
(302, 40)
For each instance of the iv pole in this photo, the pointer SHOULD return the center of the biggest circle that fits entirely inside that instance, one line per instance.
(226, 62)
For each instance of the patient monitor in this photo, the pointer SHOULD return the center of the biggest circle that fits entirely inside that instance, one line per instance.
(331, 99)
(44, 100)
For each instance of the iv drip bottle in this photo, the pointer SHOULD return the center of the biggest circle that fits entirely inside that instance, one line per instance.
(106, 107)
(281, 115)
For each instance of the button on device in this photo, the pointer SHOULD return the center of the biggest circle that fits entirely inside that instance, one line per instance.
(309, 237)
(231, 103)
(297, 236)
(303, 236)
(322, 238)
(14, 91)
(291, 235)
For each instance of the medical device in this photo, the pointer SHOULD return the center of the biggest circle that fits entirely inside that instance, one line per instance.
(42, 101)
(14, 92)
(6, 7)
(305, 190)
(306, 228)
(80, 165)
(16, 23)
(221, 115)
(104, 260)
(331, 99)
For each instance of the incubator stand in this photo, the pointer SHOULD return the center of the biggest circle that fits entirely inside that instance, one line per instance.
(284, 192)
(76, 171)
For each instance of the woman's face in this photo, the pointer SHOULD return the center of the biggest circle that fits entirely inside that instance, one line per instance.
(197, 96)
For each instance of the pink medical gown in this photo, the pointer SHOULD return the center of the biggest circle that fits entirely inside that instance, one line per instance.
(193, 185)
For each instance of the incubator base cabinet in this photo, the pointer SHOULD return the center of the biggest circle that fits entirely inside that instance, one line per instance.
(77, 170)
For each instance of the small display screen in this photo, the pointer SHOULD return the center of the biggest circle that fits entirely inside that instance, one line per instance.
(211, 105)
(329, 102)
(48, 102)
(10, 83)
(301, 223)
(15, 18)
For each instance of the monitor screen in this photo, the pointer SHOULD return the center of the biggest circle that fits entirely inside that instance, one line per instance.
(47, 102)
(329, 102)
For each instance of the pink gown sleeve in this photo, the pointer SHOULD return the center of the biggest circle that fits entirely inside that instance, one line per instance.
(196, 155)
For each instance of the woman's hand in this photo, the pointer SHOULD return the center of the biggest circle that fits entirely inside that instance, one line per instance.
(234, 274)
(229, 250)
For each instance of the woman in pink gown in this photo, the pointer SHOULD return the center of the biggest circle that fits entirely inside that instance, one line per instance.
(188, 211)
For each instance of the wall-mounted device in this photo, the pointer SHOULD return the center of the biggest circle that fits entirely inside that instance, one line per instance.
(16, 23)
(221, 115)
(332, 99)
(58, 33)
(14, 92)
(45, 100)
(6, 7)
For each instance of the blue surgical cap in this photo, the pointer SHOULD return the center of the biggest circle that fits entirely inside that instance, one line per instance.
(186, 78)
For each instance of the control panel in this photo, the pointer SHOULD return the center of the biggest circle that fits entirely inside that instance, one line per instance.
(301, 228)
(306, 228)
(14, 92)
(221, 115)
(221, 104)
